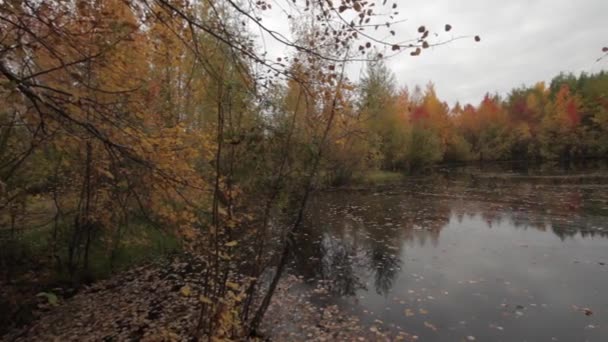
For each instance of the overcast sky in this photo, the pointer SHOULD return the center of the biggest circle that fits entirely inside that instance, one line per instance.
(523, 42)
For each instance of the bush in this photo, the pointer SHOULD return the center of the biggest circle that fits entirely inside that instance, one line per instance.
(425, 149)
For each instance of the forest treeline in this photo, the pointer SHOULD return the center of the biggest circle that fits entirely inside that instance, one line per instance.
(565, 120)
(129, 128)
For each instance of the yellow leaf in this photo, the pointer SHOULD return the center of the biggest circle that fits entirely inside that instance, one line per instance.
(185, 291)
(231, 244)
(205, 300)
(232, 285)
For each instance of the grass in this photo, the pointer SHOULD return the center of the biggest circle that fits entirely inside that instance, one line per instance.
(27, 265)
(138, 242)
(32, 246)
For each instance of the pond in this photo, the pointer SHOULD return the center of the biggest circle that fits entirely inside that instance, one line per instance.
(466, 256)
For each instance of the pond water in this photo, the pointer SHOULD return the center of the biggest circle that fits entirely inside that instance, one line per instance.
(465, 257)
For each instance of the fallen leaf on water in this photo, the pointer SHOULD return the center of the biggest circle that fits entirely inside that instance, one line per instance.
(430, 326)
(409, 313)
(497, 327)
(586, 311)
(423, 311)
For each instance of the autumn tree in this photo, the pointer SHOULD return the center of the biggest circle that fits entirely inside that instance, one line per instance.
(561, 132)
(155, 113)
(386, 125)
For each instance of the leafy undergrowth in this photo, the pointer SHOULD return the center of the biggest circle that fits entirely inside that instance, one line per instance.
(143, 303)
(148, 303)
(29, 265)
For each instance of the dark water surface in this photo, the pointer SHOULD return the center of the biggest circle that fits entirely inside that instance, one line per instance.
(465, 258)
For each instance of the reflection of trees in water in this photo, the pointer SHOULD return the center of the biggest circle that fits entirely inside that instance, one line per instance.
(358, 240)
(353, 252)
(308, 259)
(354, 236)
(565, 210)
(385, 264)
(343, 248)
(333, 260)
(339, 266)
(572, 167)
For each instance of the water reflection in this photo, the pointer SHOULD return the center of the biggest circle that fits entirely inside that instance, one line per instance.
(382, 252)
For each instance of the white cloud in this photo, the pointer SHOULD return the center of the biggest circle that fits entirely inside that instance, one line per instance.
(523, 41)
